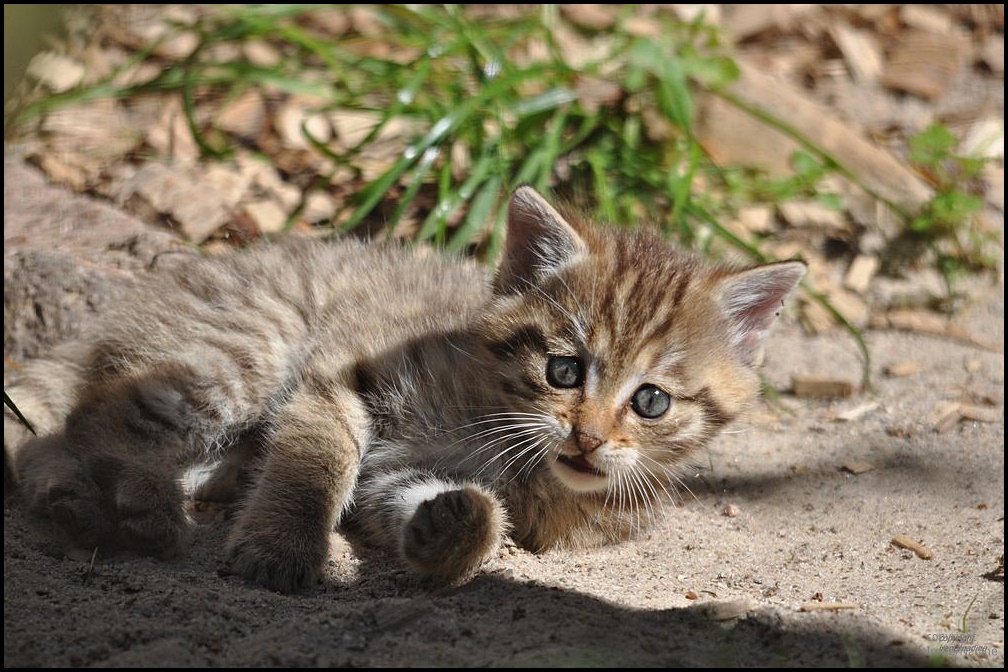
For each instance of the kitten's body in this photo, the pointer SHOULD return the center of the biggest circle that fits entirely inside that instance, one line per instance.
(425, 406)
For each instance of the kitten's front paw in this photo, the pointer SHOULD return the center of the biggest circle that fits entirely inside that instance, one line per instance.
(453, 533)
(281, 560)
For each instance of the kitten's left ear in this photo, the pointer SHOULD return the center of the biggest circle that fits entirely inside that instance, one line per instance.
(539, 242)
(752, 299)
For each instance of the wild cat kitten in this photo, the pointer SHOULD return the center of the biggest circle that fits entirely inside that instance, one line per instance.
(407, 397)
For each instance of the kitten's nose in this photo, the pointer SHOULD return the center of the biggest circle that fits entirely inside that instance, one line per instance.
(588, 441)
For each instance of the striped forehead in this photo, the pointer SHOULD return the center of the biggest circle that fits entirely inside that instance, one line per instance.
(623, 307)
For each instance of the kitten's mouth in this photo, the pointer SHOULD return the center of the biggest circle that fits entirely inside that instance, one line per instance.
(579, 464)
(578, 474)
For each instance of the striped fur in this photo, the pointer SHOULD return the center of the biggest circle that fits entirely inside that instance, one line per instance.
(409, 399)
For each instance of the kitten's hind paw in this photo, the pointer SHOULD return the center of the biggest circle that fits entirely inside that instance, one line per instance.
(76, 507)
(452, 534)
(53, 483)
(150, 516)
(118, 505)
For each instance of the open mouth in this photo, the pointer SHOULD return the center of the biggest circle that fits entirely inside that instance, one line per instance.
(580, 465)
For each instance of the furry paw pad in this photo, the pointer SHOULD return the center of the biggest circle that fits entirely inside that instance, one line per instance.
(452, 534)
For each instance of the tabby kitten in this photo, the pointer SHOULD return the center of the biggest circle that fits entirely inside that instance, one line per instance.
(405, 397)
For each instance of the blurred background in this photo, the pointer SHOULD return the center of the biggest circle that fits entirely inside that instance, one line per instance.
(28, 29)
(866, 139)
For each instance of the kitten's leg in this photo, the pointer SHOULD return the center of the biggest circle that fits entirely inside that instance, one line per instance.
(281, 537)
(442, 529)
(112, 474)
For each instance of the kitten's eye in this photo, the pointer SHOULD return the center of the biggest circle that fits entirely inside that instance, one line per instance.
(564, 371)
(650, 401)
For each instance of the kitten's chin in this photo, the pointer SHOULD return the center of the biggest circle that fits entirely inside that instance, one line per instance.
(578, 475)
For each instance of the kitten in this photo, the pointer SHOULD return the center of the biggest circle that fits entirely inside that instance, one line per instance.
(405, 397)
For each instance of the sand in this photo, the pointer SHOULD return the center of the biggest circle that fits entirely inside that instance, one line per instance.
(780, 554)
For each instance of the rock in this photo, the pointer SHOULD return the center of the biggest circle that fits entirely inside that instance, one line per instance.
(66, 257)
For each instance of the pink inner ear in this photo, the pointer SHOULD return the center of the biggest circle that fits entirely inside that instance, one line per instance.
(753, 300)
(539, 241)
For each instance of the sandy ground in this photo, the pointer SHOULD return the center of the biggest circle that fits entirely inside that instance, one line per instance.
(780, 555)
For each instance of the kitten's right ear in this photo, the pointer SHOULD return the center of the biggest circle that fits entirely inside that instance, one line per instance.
(539, 242)
(752, 301)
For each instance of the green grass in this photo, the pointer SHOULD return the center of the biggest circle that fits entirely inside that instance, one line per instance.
(604, 120)
(495, 103)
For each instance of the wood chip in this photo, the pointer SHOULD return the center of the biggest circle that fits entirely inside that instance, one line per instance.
(334, 22)
(592, 17)
(819, 387)
(922, 551)
(857, 468)
(735, 137)
(262, 53)
(577, 50)
(811, 214)
(642, 26)
(930, 323)
(861, 53)
(980, 413)
(901, 369)
(857, 412)
(928, 18)
(828, 606)
(926, 64)
(319, 207)
(99, 129)
(267, 216)
(171, 135)
(945, 416)
(984, 139)
(58, 73)
(756, 219)
(197, 201)
(688, 13)
(288, 122)
(861, 271)
(352, 126)
(747, 20)
(245, 116)
(66, 169)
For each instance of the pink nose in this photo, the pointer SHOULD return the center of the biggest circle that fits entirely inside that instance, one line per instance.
(588, 441)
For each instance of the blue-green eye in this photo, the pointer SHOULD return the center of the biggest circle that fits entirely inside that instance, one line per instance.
(650, 401)
(564, 371)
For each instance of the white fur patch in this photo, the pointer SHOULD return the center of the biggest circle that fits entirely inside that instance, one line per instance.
(405, 499)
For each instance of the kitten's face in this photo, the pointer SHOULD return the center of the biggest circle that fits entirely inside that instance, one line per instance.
(614, 362)
(620, 358)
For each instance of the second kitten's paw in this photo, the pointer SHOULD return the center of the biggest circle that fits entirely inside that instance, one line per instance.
(453, 533)
(284, 561)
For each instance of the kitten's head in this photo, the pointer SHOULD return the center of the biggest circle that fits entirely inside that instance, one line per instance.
(619, 356)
